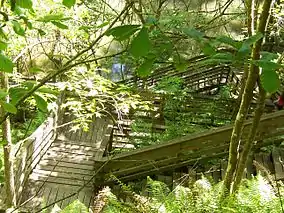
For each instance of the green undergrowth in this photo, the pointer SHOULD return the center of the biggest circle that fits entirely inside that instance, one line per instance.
(183, 113)
(255, 195)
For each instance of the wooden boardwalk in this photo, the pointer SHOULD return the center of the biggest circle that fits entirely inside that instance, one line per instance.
(65, 167)
(188, 150)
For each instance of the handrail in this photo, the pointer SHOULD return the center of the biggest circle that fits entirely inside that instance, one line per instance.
(29, 152)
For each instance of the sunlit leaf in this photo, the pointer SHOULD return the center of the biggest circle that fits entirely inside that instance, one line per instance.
(69, 3)
(35, 69)
(48, 90)
(53, 17)
(270, 80)
(75, 207)
(8, 107)
(28, 4)
(141, 45)
(146, 68)
(40, 102)
(121, 33)
(60, 25)
(18, 28)
(6, 64)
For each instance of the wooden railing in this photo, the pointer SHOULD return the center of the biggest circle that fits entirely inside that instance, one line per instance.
(30, 151)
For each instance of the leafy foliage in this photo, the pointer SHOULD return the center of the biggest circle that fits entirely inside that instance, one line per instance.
(255, 195)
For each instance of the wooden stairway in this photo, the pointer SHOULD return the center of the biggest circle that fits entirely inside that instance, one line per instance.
(186, 150)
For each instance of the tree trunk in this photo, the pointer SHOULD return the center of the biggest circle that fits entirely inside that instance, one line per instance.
(246, 99)
(8, 151)
(241, 92)
(249, 143)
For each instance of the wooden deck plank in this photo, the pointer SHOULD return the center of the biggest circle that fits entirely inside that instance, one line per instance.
(57, 180)
(63, 174)
(68, 164)
(77, 171)
(52, 198)
(67, 157)
(71, 150)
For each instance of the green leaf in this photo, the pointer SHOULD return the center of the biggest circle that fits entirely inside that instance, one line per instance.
(3, 45)
(48, 90)
(243, 51)
(267, 65)
(145, 69)
(28, 4)
(74, 207)
(251, 40)
(268, 56)
(53, 17)
(41, 32)
(60, 25)
(229, 41)
(16, 93)
(29, 25)
(6, 65)
(8, 107)
(3, 94)
(69, 3)
(207, 49)
(269, 80)
(141, 45)
(40, 102)
(193, 33)
(29, 84)
(180, 63)
(124, 32)
(35, 69)
(18, 28)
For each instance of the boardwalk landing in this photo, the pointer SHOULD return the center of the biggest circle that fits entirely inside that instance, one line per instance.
(66, 164)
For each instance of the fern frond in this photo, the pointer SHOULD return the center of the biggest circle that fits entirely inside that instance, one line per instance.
(101, 200)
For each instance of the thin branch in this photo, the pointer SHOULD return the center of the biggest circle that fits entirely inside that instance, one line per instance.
(67, 66)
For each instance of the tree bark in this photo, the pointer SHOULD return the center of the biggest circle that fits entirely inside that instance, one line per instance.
(246, 99)
(249, 142)
(8, 151)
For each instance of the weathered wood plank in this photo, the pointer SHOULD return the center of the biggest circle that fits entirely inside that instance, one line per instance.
(57, 180)
(64, 170)
(63, 174)
(67, 164)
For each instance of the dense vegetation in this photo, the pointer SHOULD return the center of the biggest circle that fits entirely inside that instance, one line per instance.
(51, 47)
